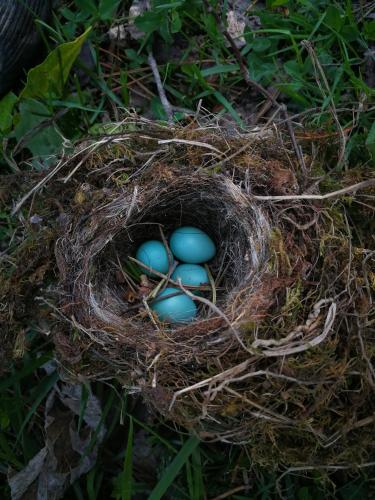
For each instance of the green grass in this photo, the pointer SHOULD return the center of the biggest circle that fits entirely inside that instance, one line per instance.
(197, 65)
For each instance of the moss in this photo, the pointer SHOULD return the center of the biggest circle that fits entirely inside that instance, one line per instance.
(272, 370)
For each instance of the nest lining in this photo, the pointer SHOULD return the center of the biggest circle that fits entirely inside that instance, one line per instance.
(89, 258)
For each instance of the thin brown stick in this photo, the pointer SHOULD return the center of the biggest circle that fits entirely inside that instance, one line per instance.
(165, 276)
(231, 492)
(163, 97)
(270, 96)
(318, 69)
(334, 194)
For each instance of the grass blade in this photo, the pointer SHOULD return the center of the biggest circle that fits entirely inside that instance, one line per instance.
(127, 477)
(41, 392)
(174, 468)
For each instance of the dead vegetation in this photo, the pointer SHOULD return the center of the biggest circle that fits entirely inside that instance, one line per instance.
(280, 358)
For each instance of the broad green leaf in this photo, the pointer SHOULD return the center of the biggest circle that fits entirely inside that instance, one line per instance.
(292, 90)
(88, 6)
(293, 69)
(260, 70)
(176, 22)
(333, 18)
(40, 138)
(370, 141)
(149, 21)
(6, 107)
(164, 30)
(50, 76)
(107, 9)
(260, 44)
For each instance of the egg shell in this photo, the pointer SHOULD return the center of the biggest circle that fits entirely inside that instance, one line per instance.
(177, 309)
(192, 245)
(191, 274)
(153, 254)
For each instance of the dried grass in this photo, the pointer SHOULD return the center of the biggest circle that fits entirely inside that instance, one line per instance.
(280, 357)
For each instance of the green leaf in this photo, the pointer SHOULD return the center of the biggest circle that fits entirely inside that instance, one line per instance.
(292, 90)
(227, 105)
(293, 69)
(174, 468)
(164, 30)
(158, 109)
(260, 70)
(370, 141)
(260, 44)
(219, 68)
(211, 26)
(149, 21)
(50, 76)
(37, 397)
(40, 136)
(127, 476)
(304, 493)
(87, 6)
(333, 18)
(276, 3)
(369, 30)
(107, 9)
(29, 368)
(176, 22)
(6, 107)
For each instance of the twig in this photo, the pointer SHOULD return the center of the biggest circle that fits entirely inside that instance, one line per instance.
(191, 143)
(219, 312)
(163, 98)
(212, 283)
(318, 68)
(237, 54)
(331, 467)
(270, 96)
(231, 492)
(146, 306)
(9, 159)
(165, 276)
(296, 146)
(334, 194)
(62, 163)
(308, 343)
(279, 418)
(216, 378)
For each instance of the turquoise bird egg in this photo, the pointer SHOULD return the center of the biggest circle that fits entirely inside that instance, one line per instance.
(153, 254)
(192, 245)
(177, 309)
(191, 275)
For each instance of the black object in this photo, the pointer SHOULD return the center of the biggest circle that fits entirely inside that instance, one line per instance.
(20, 43)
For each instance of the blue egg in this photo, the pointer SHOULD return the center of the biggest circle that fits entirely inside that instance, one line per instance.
(153, 254)
(191, 274)
(177, 309)
(191, 245)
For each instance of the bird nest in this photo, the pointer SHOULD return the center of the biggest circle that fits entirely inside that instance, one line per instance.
(280, 354)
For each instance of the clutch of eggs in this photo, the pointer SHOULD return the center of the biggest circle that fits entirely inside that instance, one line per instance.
(192, 247)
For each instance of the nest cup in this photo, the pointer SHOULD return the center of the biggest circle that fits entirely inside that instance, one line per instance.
(268, 361)
(215, 204)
